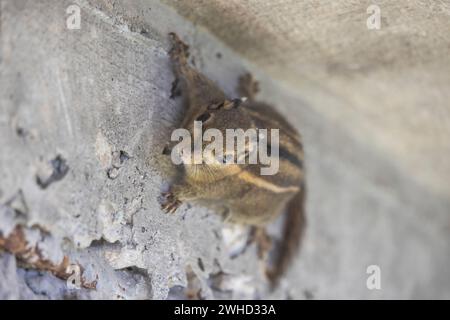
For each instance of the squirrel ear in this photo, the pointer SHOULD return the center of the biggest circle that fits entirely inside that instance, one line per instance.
(227, 104)
(232, 104)
(238, 102)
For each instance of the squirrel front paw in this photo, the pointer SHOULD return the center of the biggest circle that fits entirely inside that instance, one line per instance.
(170, 202)
(179, 50)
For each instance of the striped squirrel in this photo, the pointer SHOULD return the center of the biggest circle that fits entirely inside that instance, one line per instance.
(239, 190)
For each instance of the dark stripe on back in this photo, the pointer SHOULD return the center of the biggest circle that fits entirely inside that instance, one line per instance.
(286, 154)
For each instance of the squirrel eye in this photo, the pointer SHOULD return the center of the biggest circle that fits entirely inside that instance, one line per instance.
(203, 117)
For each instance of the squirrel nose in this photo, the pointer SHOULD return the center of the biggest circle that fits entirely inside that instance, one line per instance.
(167, 150)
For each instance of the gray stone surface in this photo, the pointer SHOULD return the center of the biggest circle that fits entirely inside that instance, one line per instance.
(377, 173)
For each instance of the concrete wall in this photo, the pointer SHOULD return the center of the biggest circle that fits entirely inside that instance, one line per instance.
(84, 115)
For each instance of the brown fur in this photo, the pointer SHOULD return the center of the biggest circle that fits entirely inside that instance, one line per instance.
(248, 197)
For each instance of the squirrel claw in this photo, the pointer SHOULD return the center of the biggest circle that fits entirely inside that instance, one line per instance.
(171, 203)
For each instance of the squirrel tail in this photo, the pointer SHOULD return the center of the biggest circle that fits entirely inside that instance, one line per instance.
(293, 229)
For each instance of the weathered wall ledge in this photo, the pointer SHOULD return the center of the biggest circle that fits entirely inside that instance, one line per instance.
(83, 117)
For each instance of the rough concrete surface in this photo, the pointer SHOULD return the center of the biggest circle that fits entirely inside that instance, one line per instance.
(84, 115)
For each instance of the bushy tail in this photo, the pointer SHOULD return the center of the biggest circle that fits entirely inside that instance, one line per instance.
(293, 229)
